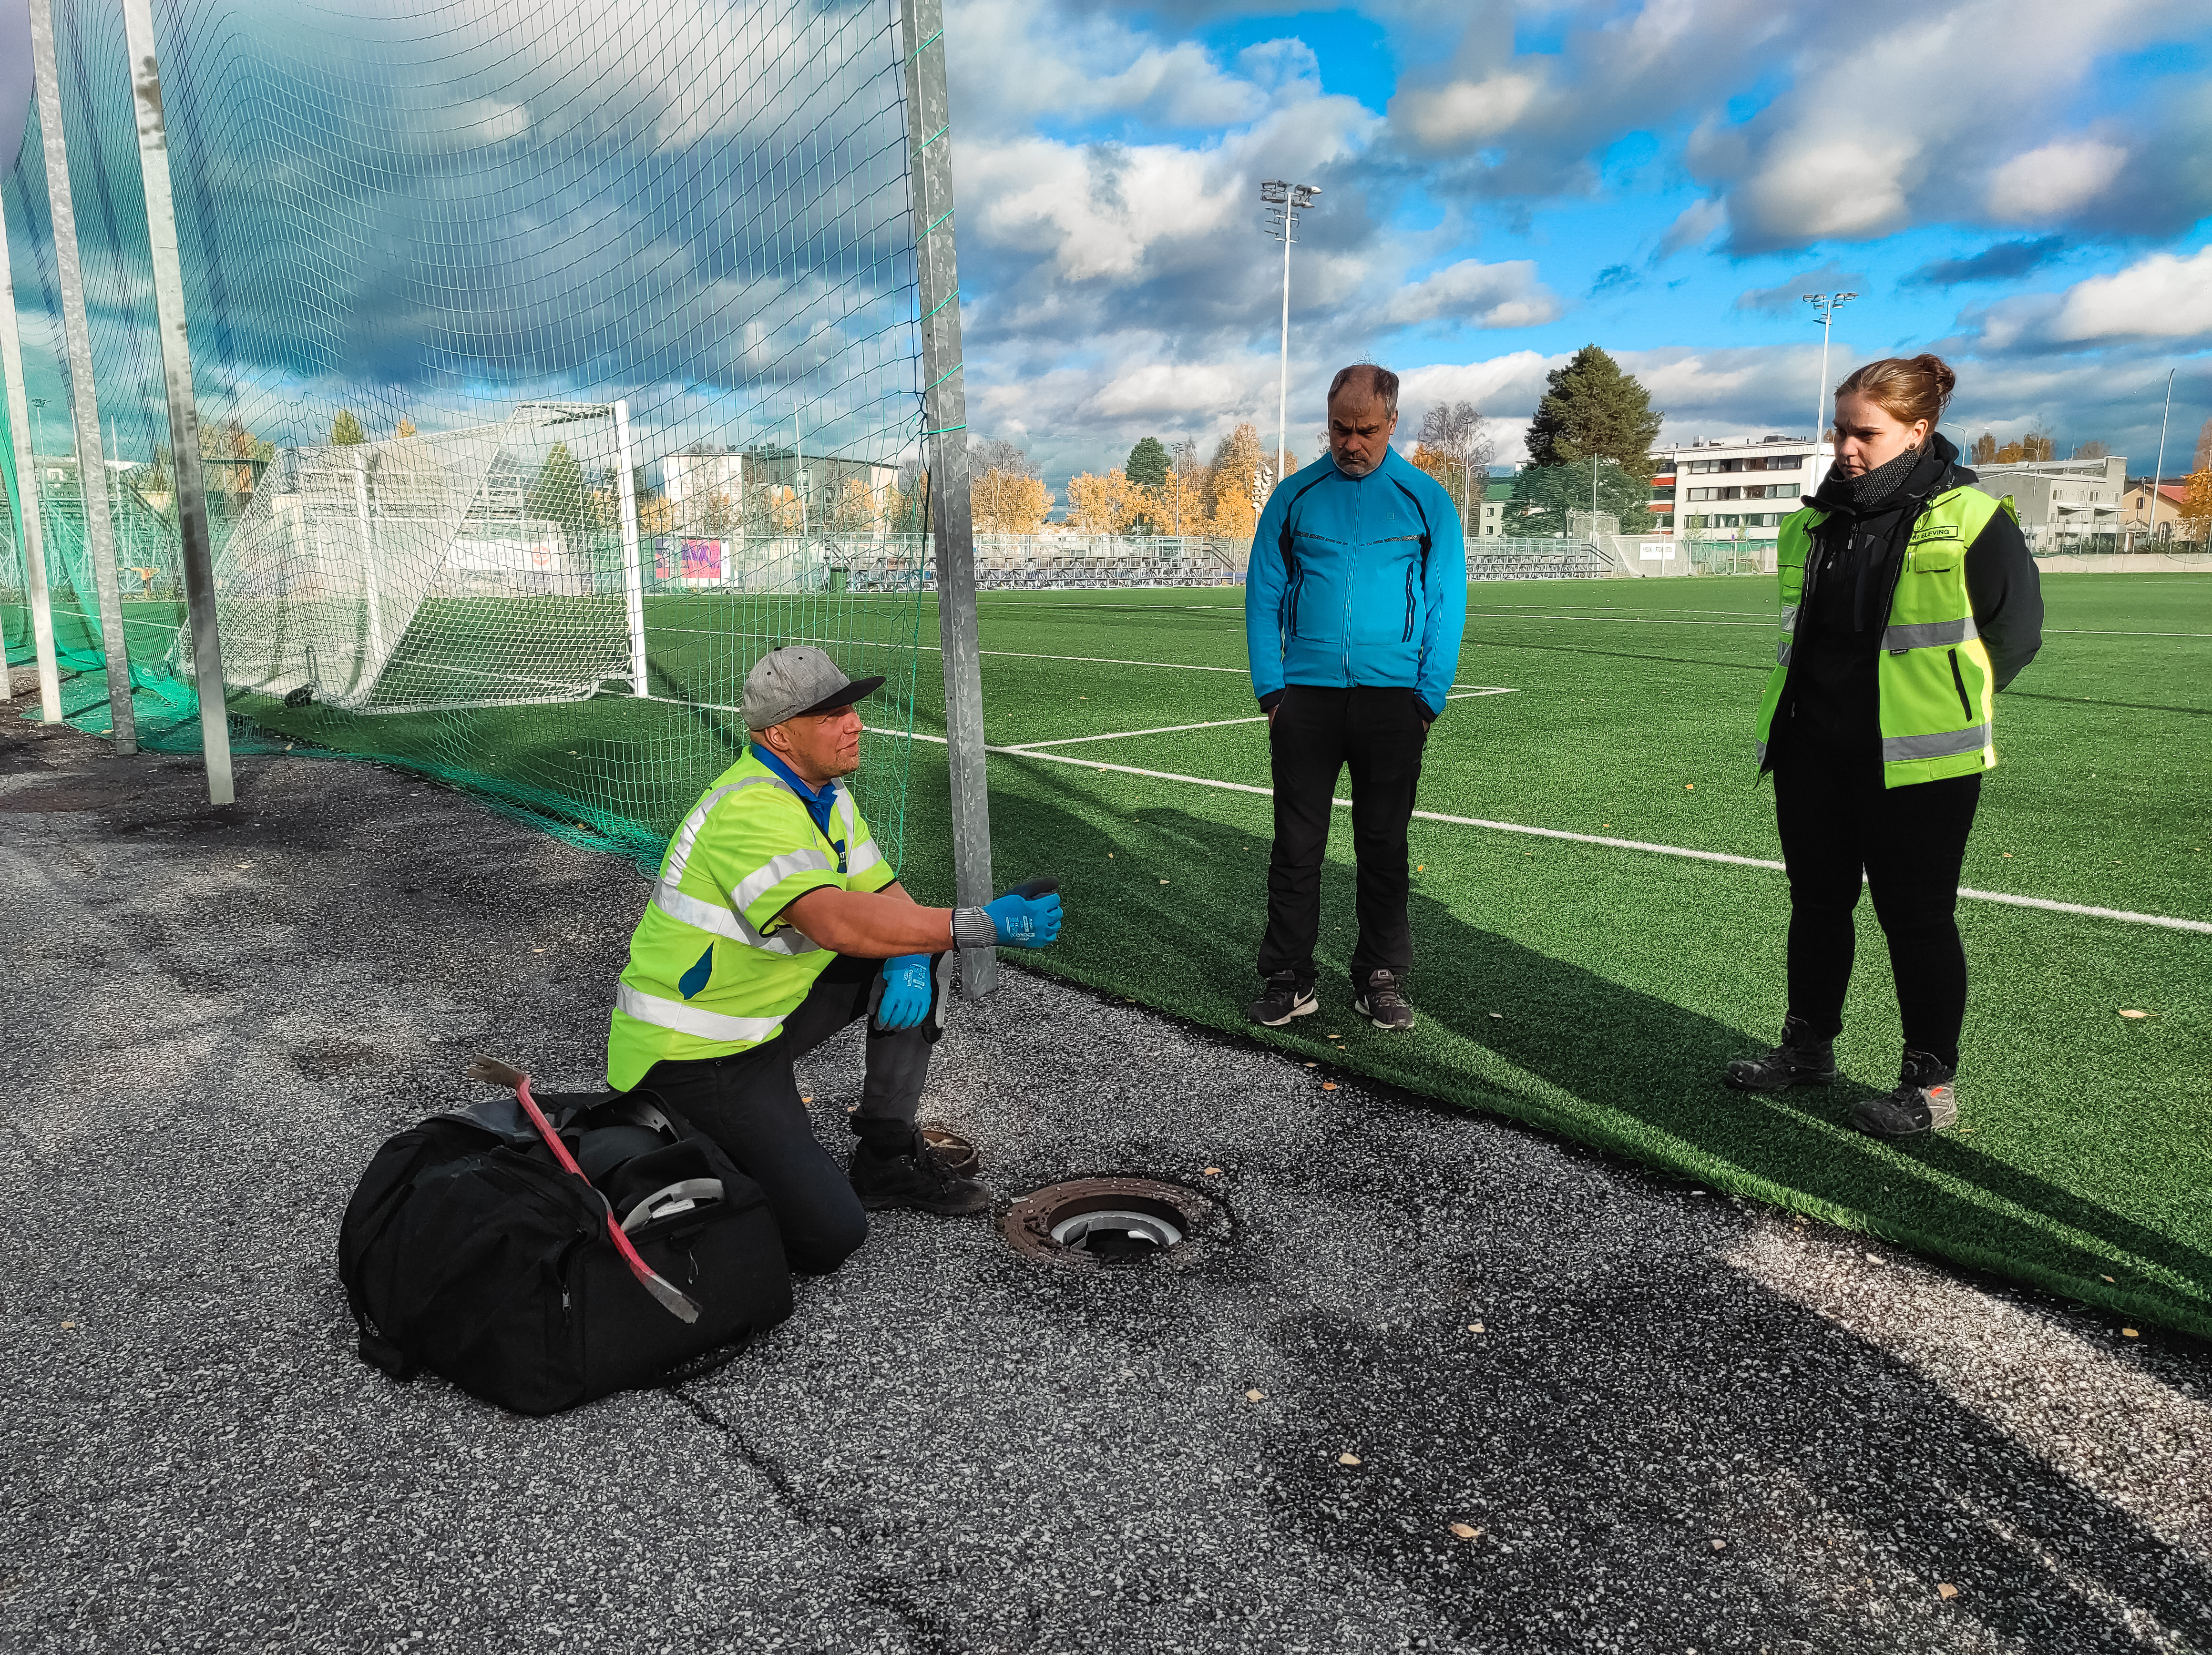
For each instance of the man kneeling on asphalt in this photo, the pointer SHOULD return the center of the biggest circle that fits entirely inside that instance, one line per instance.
(774, 920)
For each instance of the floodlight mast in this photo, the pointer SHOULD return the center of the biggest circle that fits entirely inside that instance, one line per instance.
(1285, 202)
(1824, 306)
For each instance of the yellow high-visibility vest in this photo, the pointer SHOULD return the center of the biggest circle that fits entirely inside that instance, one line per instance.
(1938, 692)
(712, 970)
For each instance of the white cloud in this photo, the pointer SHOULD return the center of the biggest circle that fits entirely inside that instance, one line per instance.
(2049, 183)
(1460, 111)
(1502, 295)
(2164, 296)
(1695, 224)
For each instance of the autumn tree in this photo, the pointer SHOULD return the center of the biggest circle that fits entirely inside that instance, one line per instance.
(2204, 448)
(2094, 448)
(345, 429)
(2196, 506)
(1985, 449)
(1235, 493)
(2030, 449)
(1009, 502)
(1108, 504)
(1592, 409)
(1454, 446)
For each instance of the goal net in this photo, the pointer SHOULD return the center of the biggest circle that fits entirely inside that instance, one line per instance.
(551, 366)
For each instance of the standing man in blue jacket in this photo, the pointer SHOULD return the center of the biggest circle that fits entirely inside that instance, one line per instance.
(1354, 601)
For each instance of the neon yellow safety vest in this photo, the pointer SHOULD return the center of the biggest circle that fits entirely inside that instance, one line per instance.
(1938, 693)
(712, 970)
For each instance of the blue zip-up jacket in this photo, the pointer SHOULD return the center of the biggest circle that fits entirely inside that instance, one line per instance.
(1356, 580)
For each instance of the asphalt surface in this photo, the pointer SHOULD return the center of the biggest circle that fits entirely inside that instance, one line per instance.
(1687, 1424)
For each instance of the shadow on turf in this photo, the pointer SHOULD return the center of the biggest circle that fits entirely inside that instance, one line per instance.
(1593, 1436)
(1645, 1068)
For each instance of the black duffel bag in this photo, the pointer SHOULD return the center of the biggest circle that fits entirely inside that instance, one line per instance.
(467, 1251)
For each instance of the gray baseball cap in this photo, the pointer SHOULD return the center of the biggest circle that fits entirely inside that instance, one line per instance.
(798, 679)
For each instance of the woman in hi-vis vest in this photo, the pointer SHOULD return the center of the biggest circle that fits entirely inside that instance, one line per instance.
(1909, 598)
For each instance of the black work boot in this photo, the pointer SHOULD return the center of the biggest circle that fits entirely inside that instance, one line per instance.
(910, 1173)
(1925, 1100)
(1287, 997)
(1383, 1003)
(1801, 1060)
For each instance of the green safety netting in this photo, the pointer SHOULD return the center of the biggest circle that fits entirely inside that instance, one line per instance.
(428, 256)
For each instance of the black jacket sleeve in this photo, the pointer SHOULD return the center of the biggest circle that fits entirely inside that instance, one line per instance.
(2007, 594)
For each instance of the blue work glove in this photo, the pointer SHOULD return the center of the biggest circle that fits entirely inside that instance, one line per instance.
(906, 991)
(1025, 922)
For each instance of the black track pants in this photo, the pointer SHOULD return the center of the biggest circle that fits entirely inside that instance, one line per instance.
(749, 1105)
(1316, 734)
(1838, 821)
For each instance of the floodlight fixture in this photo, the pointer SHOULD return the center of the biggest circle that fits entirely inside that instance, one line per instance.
(1824, 306)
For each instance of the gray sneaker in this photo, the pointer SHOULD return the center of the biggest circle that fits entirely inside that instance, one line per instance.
(1924, 1101)
(1382, 1003)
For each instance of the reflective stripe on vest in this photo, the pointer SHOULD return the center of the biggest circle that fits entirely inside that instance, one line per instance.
(726, 922)
(1899, 750)
(1929, 634)
(691, 1020)
(765, 879)
(1932, 667)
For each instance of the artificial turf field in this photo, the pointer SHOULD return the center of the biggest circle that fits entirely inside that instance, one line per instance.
(1592, 989)
(1595, 991)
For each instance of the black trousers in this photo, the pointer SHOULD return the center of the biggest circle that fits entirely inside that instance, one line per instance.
(1838, 821)
(1378, 734)
(749, 1105)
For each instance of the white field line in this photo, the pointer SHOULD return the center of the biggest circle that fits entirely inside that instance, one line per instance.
(1173, 729)
(2085, 909)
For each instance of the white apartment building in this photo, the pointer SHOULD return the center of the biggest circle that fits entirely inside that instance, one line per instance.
(1733, 488)
(2063, 497)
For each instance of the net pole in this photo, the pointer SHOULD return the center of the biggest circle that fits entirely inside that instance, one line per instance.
(84, 405)
(184, 413)
(633, 570)
(944, 452)
(25, 483)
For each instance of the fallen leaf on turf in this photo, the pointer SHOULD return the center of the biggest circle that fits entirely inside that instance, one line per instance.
(1347, 1459)
(1689, 787)
(1947, 1590)
(1420, 867)
(1313, 1065)
(1474, 1327)
(1163, 881)
(1255, 1396)
(1214, 1171)
(804, 1098)
(68, 1323)
(2130, 1333)
(2135, 1013)
(1720, 1545)
(1464, 1531)
(1328, 1086)
(2106, 1278)
(1499, 1015)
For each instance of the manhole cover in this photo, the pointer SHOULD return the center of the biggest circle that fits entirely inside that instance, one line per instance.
(1089, 1222)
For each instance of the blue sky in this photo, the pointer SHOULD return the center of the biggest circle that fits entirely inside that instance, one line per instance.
(2026, 187)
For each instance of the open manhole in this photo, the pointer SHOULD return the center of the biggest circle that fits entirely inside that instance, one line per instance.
(1088, 1222)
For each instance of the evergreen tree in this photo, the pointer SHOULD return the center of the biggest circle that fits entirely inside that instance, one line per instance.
(1592, 407)
(1544, 496)
(1148, 463)
(346, 429)
(557, 496)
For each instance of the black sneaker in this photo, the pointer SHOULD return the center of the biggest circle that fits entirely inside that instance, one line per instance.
(1287, 997)
(918, 1179)
(1382, 1004)
(1799, 1060)
(1924, 1101)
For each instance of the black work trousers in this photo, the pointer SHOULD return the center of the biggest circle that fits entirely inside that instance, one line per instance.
(1378, 734)
(749, 1103)
(1838, 822)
